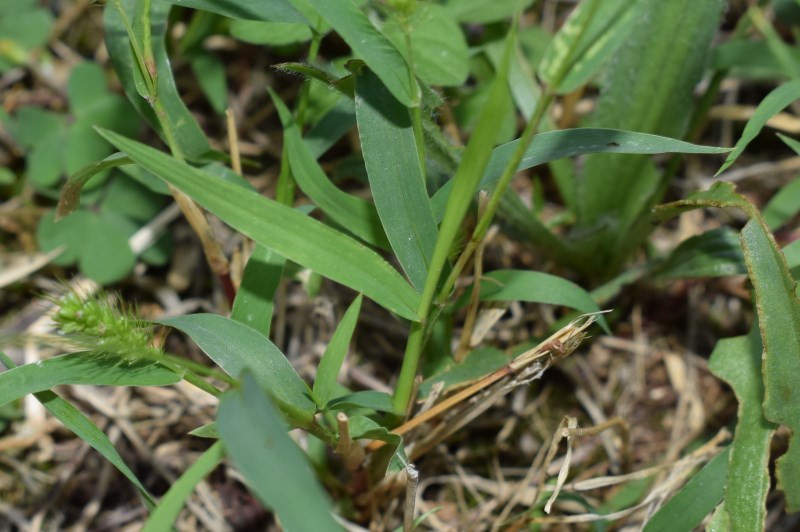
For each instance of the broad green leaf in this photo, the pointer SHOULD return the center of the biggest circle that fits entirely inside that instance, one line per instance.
(367, 43)
(593, 31)
(102, 369)
(737, 361)
(275, 469)
(188, 135)
(106, 256)
(554, 145)
(438, 47)
(286, 231)
(371, 399)
(255, 298)
(687, 508)
(649, 88)
(354, 214)
(538, 287)
(484, 11)
(24, 26)
(715, 253)
(769, 107)
(779, 320)
(268, 10)
(332, 359)
(396, 179)
(171, 504)
(235, 347)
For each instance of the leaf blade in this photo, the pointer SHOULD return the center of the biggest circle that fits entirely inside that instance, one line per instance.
(288, 232)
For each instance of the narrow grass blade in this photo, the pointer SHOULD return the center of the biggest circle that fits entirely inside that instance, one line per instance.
(255, 298)
(369, 44)
(695, 500)
(266, 10)
(82, 426)
(188, 135)
(585, 41)
(278, 227)
(103, 369)
(554, 145)
(737, 361)
(275, 469)
(769, 107)
(779, 320)
(236, 347)
(331, 127)
(538, 287)
(165, 514)
(395, 176)
(354, 214)
(332, 359)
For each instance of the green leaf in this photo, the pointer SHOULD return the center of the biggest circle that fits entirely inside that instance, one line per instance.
(165, 514)
(188, 135)
(236, 347)
(105, 255)
(275, 469)
(650, 88)
(371, 399)
(332, 359)
(255, 298)
(593, 31)
(769, 107)
(686, 509)
(438, 47)
(778, 310)
(331, 127)
(554, 145)
(362, 427)
(286, 231)
(538, 287)
(24, 26)
(354, 214)
(779, 320)
(367, 43)
(737, 361)
(103, 369)
(268, 10)
(396, 179)
(715, 253)
(210, 74)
